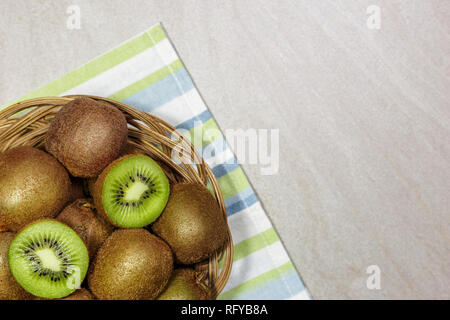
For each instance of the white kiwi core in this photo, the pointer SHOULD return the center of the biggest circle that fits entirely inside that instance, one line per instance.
(49, 259)
(135, 191)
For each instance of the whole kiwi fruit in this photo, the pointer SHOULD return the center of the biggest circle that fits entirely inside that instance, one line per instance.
(93, 230)
(33, 185)
(86, 135)
(183, 285)
(9, 288)
(191, 223)
(132, 264)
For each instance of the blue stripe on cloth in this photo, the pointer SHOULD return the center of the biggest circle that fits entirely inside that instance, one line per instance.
(161, 92)
(286, 286)
(215, 147)
(239, 196)
(189, 124)
(224, 168)
(242, 204)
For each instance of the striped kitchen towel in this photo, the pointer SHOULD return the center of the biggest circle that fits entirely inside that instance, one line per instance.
(146, 73)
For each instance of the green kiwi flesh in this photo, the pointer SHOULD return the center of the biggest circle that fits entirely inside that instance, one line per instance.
(132, 264)
(192, 223)
(9, 288)
(33, 185)
(132, 191)
(93, 230)
(86, 135)
(183, 286)
(48, 259)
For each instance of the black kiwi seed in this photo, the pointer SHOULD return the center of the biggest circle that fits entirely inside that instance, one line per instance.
(39, 244)
(120, 193)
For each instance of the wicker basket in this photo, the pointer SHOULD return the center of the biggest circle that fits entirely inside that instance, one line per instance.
(27, 122)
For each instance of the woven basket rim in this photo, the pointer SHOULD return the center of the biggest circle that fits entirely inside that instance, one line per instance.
(26, 123)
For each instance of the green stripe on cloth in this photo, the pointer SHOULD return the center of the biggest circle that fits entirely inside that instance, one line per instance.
(101, 64)
(156, 34)
(147, 81)
(233, 183)
(208, 131)
(255, 243)
(257, 281)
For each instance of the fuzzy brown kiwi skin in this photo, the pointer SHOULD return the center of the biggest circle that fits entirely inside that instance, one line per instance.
(77, 190)
(132, 264)
(33, 185)
(93, 230)
(9, 288)
(131, 149)
(98, 189)
(80, 294)
(86, 135)
(89, 185)
(191, 224)
(183, 286)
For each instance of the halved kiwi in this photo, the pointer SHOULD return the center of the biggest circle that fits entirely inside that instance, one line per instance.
(48, 259)
(132, 191)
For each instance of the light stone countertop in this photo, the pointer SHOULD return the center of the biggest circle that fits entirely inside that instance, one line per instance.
(364, 117)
